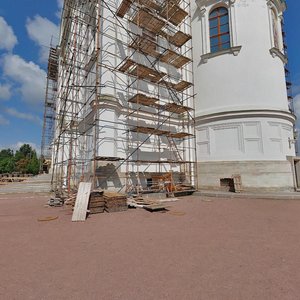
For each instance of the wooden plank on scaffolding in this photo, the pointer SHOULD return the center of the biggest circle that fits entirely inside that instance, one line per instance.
(147, 20)
(143, 100)
(180, 61)
(124, 8)
(149, 130)
(175, 108)
(108, 158)
(82, 201)
(144, 72)
(127, 64)
(178, 39)
(152, 4)
(145, 45)
(179, 135)
(141, 71)
(181, 86)
(172, 12)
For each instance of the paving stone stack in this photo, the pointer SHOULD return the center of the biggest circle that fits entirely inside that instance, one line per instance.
(97, 202)
(115, 202)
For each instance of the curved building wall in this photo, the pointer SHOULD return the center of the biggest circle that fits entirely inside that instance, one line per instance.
(242, 115)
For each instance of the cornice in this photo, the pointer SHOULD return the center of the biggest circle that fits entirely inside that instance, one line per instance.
(277, 53)
(200, 120)
(202, 3)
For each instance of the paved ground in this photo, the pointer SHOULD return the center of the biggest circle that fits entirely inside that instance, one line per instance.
(36, 184)
(203, 248)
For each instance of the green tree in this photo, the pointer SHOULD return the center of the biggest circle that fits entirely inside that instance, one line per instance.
(25, 151)
(33, 164)
(7, 165)
(26, 160)
(21, 165)
(6, 153)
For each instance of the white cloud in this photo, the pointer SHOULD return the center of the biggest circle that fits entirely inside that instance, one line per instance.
(24, 116)
(3, 121)
(296, 88)
(60, 4)
(41, 31)
(5, 92)
(296, 103)
(30, 77)
(8, 40)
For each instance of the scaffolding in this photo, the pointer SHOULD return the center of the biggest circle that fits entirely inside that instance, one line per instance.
(49, 108)
(125, 98)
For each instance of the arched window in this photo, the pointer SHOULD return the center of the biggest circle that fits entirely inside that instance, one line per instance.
(219, 29)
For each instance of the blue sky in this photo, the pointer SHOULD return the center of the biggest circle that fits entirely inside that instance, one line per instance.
(26, 28)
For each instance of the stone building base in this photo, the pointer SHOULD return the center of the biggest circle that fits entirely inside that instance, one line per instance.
(255, 175)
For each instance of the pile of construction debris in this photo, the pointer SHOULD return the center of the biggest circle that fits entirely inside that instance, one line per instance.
(96, 202)
(84, 201)
(115, 202)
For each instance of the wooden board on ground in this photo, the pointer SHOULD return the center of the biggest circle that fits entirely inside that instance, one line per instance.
(82, 201)
(154, 207)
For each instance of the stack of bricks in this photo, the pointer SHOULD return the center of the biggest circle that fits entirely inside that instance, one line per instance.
(97, 202)
(115, 202)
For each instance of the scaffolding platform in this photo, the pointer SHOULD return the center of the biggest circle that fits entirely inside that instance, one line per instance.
(154, 18)
(53, 64)
(149, 130)
(146, 20)
(142, 72)
(176, 108)
(144, 100)
(107, 158)
(179, 87)
(172, 12)
(168, 56)
(156, 131)
(178, 39)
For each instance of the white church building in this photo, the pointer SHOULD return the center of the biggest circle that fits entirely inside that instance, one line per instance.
(192, 90)
(244, 123)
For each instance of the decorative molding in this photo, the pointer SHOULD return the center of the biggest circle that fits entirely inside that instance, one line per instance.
(204, 7)
(275, 52)
(233, 50)
(201, 3)
(205, 119)
(238, 126)
(278, 4)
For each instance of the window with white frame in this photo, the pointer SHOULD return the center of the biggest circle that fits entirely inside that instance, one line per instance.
(219, 31)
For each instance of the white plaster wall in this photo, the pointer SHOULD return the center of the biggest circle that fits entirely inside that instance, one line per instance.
(245, 139)
(241, 99)
(253, 79)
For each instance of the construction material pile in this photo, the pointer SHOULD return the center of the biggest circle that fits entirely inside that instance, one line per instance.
(96, 202)
(115, 202)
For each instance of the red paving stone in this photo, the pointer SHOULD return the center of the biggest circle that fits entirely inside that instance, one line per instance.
(219, 249)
